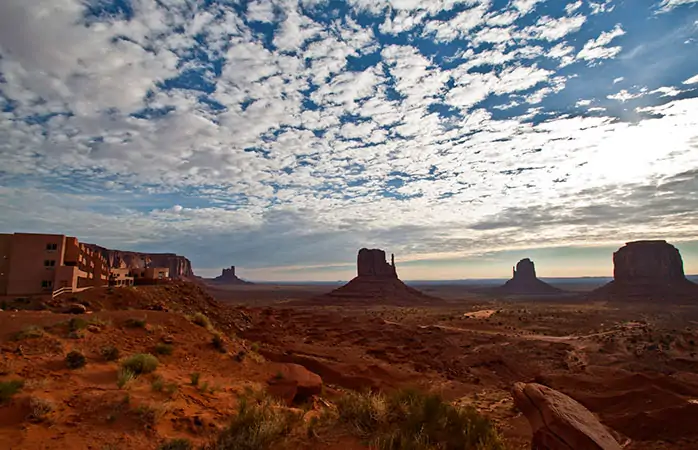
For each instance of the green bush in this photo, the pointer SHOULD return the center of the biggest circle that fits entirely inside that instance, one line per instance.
(9, 388)
(141, 363)
(135, 323)
(164, 349)
(109, 353)
(158, 384)
(77, 323)
(75, 360)
(408, 420)
(31, 332)
(194, 377)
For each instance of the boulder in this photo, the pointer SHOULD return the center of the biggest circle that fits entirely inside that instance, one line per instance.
(372, 263)
(559, 422)
(76, 308)
(293, 383)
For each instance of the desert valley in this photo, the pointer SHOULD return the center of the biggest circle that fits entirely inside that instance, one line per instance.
(186, 362)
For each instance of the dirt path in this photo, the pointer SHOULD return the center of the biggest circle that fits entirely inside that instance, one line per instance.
(535, 337)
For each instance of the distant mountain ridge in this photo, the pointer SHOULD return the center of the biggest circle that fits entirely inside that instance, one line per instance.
(179, 266)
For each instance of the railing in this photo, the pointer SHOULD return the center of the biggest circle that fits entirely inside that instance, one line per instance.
(61, 291)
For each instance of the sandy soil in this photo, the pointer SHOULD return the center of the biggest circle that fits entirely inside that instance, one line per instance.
(635, 366)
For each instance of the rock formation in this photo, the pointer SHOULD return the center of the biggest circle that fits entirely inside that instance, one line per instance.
(525, 282)
(180, 267)
(377, 282)
(371, 262)
(651, 270)
(559, 422)
(228, 277)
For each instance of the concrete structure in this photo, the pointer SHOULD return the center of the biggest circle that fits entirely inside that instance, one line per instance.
(37, 264)
(150, 275)
(34, 264)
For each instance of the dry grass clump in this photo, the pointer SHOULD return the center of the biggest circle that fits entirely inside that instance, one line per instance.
(177, 444)
(164, 349)
(124, 376)
(409, 420)
(109, 353)
(75, 360)
(141, 363)
(31, 332)
(201, 320)
(40, 409)
(257, 426)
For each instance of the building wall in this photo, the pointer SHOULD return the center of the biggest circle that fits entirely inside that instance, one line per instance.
(5, 253)
(29, 256)
(68, 276)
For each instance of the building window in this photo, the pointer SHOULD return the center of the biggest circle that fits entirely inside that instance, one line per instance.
(51, 247)
(50, 263)
(47, 284)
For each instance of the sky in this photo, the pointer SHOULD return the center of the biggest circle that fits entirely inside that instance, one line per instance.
(281, 136)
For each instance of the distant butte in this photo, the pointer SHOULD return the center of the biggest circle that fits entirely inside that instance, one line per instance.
(377, 282)
(648, 270)
(228, 277)
(525, 282)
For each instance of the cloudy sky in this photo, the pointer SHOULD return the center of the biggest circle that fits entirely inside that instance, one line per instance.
(283, 135)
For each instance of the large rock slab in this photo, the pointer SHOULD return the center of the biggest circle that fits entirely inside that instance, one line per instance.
(293, 383)
(559, 422)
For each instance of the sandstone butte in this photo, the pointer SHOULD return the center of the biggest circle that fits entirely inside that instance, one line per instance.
(377, 281)
(648, 270)
(228, 276)
(525, 282)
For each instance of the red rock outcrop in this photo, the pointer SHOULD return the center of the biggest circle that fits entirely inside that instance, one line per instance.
(294, 383)
(180, 267)
(377, 282)
(559, 422)
(371, 262)
(525, 282)
(651, 270)
(228, 277)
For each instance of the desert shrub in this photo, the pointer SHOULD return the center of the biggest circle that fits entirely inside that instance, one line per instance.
(9, 388)
(408, 420)
(201, 320)
(75, 360)
(135, 323)
(164, 349)
(150, 415)
(124, 376)
(194, 378)
(254, 347)
(171, 388)
(109, 353)
(31, 332)
(40, 408)
(158, 384)
(218, 343)
(256, 427)
(141, 363)
(77, 323)
(177, 444)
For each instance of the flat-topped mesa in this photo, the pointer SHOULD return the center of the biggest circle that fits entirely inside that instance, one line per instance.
(648, 262)
(372, 263)
(648, 271)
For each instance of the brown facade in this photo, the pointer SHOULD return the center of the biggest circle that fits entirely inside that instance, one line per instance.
(32, 264)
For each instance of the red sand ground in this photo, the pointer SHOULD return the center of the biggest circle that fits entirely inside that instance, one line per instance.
(636, 367)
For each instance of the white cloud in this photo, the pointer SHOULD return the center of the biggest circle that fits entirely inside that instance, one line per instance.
(260, 11)
(572, 7)
(554, 29)
(618, 80)
(596, 48)
(668, 5)
(692, 80)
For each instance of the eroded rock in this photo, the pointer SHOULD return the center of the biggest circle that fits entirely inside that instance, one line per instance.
(293, 383)
(559, 422)
(372, 263)
(525, 282)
